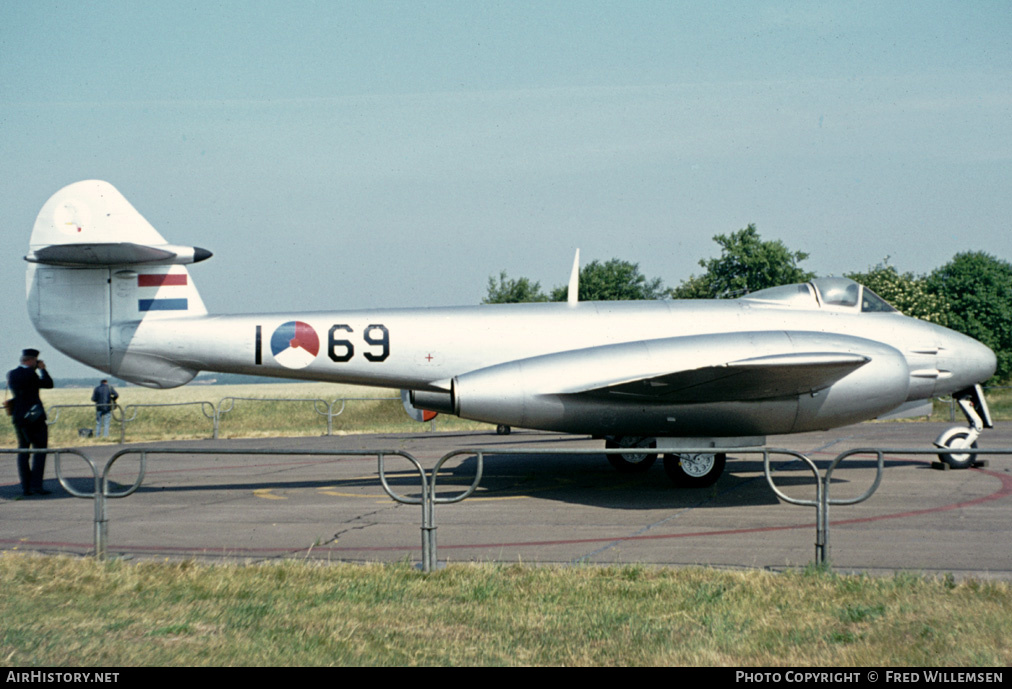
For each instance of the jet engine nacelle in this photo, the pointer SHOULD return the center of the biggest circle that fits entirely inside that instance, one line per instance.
(781, 382)
(876, 388)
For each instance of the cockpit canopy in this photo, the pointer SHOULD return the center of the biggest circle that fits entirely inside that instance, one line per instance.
(842, 294)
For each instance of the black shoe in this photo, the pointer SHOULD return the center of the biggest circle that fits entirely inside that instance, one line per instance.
(42, 492)
(27, 494)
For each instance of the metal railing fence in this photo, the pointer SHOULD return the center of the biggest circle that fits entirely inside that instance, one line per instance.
(320, 407)
(125, 414)
(101, 492)
(129, 413)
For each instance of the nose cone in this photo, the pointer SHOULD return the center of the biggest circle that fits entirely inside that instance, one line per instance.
(985, 362)
(966, 360)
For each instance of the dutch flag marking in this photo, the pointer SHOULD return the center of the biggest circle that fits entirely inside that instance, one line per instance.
(159, 280)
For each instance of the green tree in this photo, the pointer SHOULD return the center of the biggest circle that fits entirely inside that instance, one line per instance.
(978, 289)
(613, 281)
(907, 292)
(510, 291)
(746, 264)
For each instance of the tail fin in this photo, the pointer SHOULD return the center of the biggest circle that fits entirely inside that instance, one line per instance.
(97, 272)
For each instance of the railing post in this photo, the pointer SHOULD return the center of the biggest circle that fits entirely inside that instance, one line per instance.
(822, 525)
(425, 502)
(101, 525)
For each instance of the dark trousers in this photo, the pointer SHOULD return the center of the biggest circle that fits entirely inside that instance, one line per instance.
(35, 435)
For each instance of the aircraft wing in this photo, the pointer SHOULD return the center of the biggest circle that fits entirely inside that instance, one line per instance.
(755, 378)
(638, 385)
(742, 366)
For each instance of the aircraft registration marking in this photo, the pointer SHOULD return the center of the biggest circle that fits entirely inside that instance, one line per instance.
(340, 348)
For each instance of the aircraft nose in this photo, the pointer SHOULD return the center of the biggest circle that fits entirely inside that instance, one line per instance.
(968, 361)
(984, 362)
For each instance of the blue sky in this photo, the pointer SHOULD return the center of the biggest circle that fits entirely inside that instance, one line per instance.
(339, 155)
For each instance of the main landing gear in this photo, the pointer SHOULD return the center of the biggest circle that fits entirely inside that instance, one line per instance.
(696, 470)
(634, 462)
(974, 407)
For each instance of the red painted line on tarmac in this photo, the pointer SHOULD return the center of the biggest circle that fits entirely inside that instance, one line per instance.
(1003, 492)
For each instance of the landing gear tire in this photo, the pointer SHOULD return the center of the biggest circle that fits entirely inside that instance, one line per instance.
(694, 470)
(632, 463)
(953, 440)
(503, 429)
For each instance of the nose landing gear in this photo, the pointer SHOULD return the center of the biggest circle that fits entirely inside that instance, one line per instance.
(974, 407)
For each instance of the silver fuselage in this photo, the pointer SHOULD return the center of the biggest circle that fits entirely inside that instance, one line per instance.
(105, 287)
(440, 349)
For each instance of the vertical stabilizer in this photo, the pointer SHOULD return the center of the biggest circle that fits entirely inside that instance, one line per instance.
(91, 212)
(98, 271)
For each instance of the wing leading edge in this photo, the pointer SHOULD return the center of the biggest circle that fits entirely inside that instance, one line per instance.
(756, 378)
(695, 368)
(693, 385)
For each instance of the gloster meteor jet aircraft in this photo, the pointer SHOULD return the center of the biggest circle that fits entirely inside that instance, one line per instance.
(105, 288)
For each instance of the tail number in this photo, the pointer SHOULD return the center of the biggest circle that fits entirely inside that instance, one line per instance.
(341, 349)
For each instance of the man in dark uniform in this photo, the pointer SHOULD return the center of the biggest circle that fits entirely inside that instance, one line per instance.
(29, 417)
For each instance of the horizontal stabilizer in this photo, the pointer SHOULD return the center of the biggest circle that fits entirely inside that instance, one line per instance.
(100, 278)
(115, 254)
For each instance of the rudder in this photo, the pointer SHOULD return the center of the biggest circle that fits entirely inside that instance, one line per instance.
(97, 272)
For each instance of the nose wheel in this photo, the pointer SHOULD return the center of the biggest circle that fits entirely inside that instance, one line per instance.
(974, 407)
(955, 439)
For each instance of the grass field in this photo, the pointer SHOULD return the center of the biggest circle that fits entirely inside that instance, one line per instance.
(59, 611)
(186, 419)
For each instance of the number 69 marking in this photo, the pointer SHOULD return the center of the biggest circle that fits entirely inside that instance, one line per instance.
(375, 335)
(383, 341)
